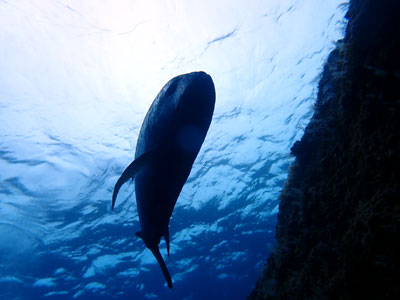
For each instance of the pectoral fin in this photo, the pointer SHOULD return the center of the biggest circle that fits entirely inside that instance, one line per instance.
(130, 172)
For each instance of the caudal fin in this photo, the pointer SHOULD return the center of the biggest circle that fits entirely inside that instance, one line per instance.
(160, 260)
(130, 172)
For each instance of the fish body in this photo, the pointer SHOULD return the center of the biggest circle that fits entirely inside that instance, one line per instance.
(170, 138)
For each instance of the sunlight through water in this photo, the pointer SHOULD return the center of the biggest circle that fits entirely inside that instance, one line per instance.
(76, 80)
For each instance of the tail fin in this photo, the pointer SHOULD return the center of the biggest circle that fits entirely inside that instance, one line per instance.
(130, 172)
(160, 260)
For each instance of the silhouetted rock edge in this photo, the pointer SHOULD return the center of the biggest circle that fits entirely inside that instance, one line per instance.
(339, 220)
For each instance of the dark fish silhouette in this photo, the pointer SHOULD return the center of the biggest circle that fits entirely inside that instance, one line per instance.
(169, 140)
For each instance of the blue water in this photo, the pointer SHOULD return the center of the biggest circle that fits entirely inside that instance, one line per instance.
(76, 79)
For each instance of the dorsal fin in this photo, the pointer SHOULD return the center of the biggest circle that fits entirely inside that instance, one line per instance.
(166, 237)
(130, 172)
(156, 252)
(139, 234)
(160, 260)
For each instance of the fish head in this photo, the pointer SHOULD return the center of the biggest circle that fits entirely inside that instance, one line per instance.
(194, 111)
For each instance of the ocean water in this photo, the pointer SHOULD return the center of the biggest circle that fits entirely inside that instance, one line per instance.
(76, 80)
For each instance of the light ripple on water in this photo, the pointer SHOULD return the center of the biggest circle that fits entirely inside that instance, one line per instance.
(71, 107)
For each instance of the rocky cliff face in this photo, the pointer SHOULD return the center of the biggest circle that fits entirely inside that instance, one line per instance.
(339, 219)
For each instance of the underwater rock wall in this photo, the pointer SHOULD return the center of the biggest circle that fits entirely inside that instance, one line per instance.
(339, 219)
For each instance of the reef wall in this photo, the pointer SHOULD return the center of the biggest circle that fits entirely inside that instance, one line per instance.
(339, 221)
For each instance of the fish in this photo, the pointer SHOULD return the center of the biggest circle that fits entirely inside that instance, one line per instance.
(170, 138)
